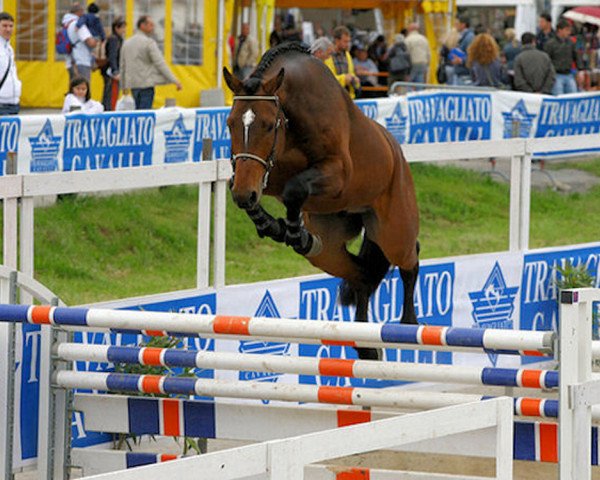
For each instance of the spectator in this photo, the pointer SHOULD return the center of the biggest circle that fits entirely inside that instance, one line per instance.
(72, 16)
(322, 48)
(449, 43)
(364, 66)
(340, 63)
(110, 73)
(484, 61)
(420, 54)
(378, 53)
(276, 36)
(545, 31)
(458, 56)
(563, 54)
(92, 21)
(142, 65)
(399, 61)
(534, 71)
(511, 49)
(10, 85)
(78, 98)
(81, 60)
(246, 53)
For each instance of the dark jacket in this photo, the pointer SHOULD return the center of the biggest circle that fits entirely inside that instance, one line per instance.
(487, 75)
(534, 71)
(510, 52)
(562, 52)
(113, 53)
(542, 38)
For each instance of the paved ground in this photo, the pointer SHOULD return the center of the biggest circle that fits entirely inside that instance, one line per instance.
(567, 180)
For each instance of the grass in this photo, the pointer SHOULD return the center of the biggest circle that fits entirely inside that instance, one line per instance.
(91, 249)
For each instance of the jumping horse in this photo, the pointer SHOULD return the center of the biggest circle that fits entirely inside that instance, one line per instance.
(297, 135)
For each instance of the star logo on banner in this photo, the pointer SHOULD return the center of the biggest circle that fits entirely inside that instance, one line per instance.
(494, 304)
(44, 150)
(266, 308)
(518, 119)
(396, 124)
(177, 142)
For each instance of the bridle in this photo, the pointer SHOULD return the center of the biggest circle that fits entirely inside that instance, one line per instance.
(270, 160)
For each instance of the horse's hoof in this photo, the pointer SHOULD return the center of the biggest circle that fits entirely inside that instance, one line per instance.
(369, 353)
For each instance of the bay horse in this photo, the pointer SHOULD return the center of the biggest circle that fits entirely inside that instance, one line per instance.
(297, 135)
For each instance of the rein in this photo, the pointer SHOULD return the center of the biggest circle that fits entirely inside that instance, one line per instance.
(269, 162)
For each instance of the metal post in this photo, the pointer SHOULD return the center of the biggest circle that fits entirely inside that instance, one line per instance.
(10, 383)
(8, 331)
(54, 414)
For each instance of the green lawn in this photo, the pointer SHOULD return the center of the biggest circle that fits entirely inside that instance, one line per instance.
(99, 248)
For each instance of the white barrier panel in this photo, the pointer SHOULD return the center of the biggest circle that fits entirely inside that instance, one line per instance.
(286, 459)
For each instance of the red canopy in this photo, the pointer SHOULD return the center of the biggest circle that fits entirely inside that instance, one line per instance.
(584, 15)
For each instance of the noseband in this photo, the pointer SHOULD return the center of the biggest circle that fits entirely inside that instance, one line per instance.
(270, 160)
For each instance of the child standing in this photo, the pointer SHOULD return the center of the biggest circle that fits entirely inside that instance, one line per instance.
(78, 98)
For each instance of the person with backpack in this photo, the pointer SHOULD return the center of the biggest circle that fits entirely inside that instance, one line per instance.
(62, 40)
(110, 72)
(399, 61)
(80, 44)
(10, 85)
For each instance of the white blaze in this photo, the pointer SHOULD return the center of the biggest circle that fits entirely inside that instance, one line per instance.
(247, 119)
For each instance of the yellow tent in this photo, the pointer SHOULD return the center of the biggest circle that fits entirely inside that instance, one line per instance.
(43, 73)
(45, 77)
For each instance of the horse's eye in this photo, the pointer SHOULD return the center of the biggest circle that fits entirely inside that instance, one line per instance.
(270, 126)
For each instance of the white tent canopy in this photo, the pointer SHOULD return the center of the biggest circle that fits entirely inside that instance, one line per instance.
(525, 15)
(558, 5)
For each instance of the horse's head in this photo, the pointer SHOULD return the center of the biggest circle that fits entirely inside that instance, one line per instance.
(256, 124)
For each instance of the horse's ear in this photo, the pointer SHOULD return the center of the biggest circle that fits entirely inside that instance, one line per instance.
(273, 84)
(234, 83)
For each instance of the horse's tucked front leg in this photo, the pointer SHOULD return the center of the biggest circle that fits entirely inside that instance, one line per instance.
(295, 193)
(266, 225)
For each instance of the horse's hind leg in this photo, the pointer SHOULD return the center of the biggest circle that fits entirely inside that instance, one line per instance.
(409, 278)
(361, 274)
(374, 266)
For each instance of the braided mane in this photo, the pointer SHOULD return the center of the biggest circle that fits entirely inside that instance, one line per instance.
(253, 82)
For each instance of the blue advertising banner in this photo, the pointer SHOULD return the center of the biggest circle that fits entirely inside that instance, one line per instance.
(112, 140)
(101, 141)
(449, 117)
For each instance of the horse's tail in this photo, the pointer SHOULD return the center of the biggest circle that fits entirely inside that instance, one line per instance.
(374, 266)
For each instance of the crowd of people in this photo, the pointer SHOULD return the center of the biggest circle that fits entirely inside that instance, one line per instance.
(552, 61)
(135, 65)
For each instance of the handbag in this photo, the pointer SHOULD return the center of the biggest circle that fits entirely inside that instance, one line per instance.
(440, 73)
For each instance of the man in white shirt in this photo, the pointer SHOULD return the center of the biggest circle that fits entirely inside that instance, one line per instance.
(81, 60)
(10, 85)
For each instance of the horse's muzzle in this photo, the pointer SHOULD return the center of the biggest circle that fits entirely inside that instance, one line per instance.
(245, 200)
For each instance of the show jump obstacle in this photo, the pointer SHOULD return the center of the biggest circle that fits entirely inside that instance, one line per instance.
(572, 348)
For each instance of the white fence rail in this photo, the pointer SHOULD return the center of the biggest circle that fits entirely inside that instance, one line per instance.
(27, 187)
(287, 458)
